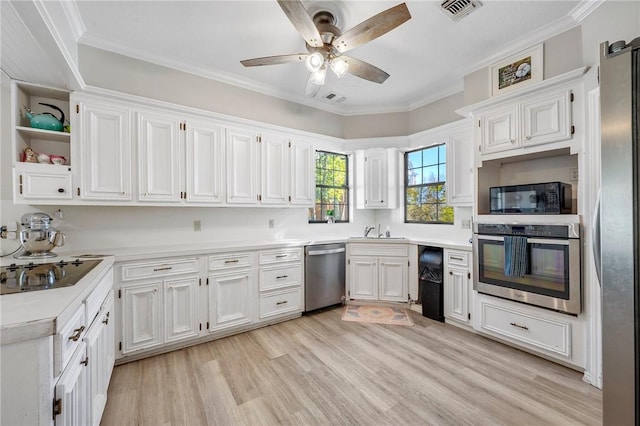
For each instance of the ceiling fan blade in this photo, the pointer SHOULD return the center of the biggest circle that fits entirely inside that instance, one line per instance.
(274, 60)
(372, 28)
(299, 17)
(365, 70)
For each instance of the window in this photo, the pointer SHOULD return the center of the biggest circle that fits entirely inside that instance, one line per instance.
(332, 190)
(425, 197)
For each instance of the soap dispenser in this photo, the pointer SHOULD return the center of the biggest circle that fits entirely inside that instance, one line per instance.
(388, 232)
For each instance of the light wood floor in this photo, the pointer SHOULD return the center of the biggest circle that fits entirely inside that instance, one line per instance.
(319, 370)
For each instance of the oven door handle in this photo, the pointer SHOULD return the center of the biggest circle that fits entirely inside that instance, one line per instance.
(490, 238)
(595, 239)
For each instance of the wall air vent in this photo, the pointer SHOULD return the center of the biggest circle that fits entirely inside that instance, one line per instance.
(458, 9)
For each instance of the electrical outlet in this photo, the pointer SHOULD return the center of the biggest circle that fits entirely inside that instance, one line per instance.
(197, 225)
(466, 224)
(272, 223)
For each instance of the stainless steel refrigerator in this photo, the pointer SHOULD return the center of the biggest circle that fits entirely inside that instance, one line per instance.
(620, 231)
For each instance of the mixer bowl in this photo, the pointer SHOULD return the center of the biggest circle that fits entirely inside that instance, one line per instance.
(40, 242)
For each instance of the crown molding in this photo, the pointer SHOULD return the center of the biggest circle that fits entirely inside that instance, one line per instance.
(76, 24)
(584, 9)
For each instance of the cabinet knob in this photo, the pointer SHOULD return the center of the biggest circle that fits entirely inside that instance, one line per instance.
(513, 141)
(527, 137)
(60, 190)
(450, 273)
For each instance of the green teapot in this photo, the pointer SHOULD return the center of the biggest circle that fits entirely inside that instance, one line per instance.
(45, 121)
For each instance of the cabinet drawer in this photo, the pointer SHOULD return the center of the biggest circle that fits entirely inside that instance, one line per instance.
(543, 333)
(379, 250)
(458, 258)
(233, 260)
(52, 184)
(280, 276)
(280, 302)
(282, 255)
(94, 301)
(68, 339)
(136, 271)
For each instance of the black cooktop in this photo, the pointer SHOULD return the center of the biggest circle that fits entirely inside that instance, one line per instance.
(43, 276)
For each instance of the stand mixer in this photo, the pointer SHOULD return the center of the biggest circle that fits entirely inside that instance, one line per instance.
(37, 236)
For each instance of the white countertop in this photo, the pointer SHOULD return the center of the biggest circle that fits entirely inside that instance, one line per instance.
(37, 314)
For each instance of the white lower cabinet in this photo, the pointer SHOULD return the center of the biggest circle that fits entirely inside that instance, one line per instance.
(457, 286)
(280, 291)
(542, 331)
(71, 403)
(159, 302)
(378, 271)
(230, 300)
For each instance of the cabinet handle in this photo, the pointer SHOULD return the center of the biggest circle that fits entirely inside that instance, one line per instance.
(282, 303)
(519, 326)
(231, 261)
(106, 318)
(77, 333)
(60, 190)
(456, 258)
(165, 268)
(85, 362)
(279, 256)
(282, 276)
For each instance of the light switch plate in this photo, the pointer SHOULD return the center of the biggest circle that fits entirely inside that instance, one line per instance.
(197, 225)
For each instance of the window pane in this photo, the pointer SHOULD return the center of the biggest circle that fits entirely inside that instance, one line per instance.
(442, 176)
(442, 154)
(414, 176)
(414, 159)
(332, 193)
(430, 174)
(430, 156)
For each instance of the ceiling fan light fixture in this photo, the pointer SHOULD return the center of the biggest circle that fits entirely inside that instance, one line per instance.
(314, 62)
(339, 66)
(318, 77)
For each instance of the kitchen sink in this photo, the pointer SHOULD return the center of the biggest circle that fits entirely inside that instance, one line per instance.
(381, 239)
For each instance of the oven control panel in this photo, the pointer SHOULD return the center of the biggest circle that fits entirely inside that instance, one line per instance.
(545, 231)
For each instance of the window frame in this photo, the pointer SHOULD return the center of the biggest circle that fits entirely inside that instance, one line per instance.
(425, 185)
(346, 187)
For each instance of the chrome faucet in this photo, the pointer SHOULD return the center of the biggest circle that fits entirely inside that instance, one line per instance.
(368, 229)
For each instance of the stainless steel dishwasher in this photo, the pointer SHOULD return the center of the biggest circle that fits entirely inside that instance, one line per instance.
(324, 275)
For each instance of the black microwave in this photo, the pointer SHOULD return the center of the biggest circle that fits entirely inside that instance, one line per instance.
(534, 198)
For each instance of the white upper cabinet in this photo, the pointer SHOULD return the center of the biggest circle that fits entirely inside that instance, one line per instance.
(274, 150)
(205, 163)
(499, 129)
(546, 119)
(377, 173)
(302, 186)
(242, 166)
(159, 163)
(460, 167)
(104, 143)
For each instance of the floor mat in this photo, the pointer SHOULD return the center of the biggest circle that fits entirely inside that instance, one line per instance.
(377, 315)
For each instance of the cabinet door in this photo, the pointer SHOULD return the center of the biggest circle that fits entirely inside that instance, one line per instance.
(456, 294)
(274, 188)
(230, 300)
(181, 308)
(363, 278)
(546, 119)
(205, 163)
(43, 183)
(100, 349)
(393, 275)
(242, 167)
(499, 130)
(460, 169)
(70, 400)
(105, 151)
(159, 162)
(376, 178)
(142, 316)
(303, 176)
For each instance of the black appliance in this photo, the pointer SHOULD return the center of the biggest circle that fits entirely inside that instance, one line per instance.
(431, 295)
(534, 198)
(43, 276)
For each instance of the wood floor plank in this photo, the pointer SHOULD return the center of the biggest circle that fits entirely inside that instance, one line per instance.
(320, 370)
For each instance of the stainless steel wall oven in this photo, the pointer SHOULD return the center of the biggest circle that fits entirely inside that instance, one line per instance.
(534, 263)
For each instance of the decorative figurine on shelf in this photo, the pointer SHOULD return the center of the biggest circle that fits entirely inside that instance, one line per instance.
(29, 156)
(330, 216)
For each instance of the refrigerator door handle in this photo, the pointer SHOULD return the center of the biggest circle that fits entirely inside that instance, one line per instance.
(595, 240)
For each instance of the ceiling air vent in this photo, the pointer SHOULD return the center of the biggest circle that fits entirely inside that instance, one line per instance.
(458, 9)
(334, 97)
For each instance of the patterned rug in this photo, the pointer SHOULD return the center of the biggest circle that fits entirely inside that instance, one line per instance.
(376, 314)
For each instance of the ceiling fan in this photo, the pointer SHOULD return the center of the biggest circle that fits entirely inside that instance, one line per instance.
(326, 44)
